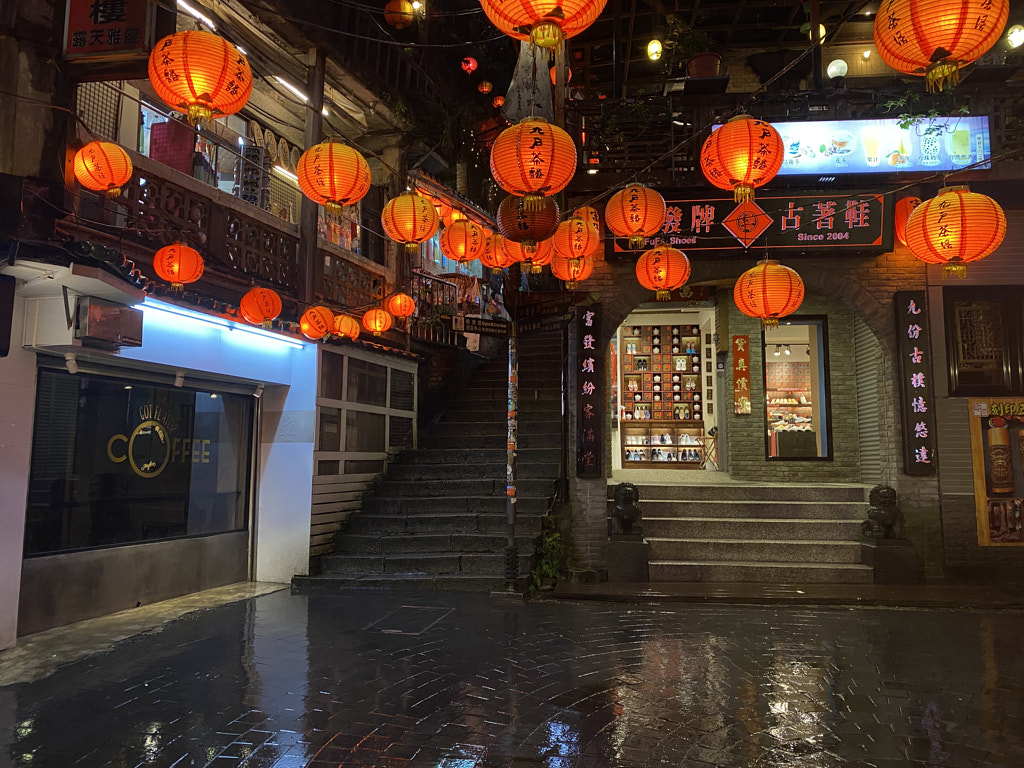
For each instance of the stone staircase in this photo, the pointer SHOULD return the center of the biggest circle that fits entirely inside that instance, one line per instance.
(437, 517)
(767, 533)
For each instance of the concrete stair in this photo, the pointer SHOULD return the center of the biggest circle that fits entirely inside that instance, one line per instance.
(437, 519)
(755, 533)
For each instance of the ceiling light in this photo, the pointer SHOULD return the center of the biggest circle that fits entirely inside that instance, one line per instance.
(196, 14)
(324, 112)
(291, 88)
(1015, 36)
(786, 350)
(654, 50)
(592, 171)
(778, 350)
(286, 173)
(806, 29)
(867, 54)
(837, 68)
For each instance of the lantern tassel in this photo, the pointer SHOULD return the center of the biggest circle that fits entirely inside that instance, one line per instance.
(413, 249)
(113, 193)
(662, 295)
(770, 323)
(177, 287)
(267, 324)
(198, 114)
(942, 72)
(743, 194)
(536, 269)
(636, 242)
(532, 202)
(955, 268)
(570, 285)
(333, 208)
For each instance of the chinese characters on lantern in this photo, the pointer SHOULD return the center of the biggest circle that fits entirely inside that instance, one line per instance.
(997, 449)
(98, 28)
(590, 396)
(741, 375)
(917, 407)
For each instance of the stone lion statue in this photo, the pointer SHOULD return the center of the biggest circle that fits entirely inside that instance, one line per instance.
(885, 520)
(625, 517)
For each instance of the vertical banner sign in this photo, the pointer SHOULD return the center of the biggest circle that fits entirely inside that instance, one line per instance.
(98, 29)
(741, 375)
(591, 395)
(997, 447)
(917, 403)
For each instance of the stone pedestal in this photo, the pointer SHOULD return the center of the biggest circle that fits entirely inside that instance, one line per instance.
(627, 559)
(894, 560)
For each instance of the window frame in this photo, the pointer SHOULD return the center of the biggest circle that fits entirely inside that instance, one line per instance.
(1010, 301)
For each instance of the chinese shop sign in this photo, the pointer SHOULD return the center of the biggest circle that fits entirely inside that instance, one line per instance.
(741, 375)
(997, 447)
(845, 223)
(97, 29)
(917, 401)
(590, 396)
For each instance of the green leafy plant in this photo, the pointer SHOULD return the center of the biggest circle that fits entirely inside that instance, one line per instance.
(549, 555)
(914, 109)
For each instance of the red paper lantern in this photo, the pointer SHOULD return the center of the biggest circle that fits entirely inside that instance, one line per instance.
(955, 227)
(498, 101)
(527, 226)
(316, 322)
(571, 271)
(494, 255)
(401, 305)
(178, 264)
(399, 14)
(260, 306)
(463, 241)
(536, 256)
(904, 207)
(347, 327)
(576, 239)
(533, 159)
(662, 269)
(376, 321)
(333, 175)
(589, 214)
(554, 75)
(454, 215)
(484, 86)
(410, 219)
(545, 23)
(769, 291)
(935, 38)
(103, 167)
(743, 154)
(636, 212)
(469, 65)
(200, 74)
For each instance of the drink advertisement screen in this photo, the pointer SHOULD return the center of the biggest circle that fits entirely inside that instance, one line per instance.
(836, 147)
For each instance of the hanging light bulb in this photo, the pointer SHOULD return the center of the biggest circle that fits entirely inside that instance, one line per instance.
(654, 50)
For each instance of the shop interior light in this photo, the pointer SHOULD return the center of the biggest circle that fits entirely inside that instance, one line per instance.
(786, 350)
(654, 50)
(198, 15)
(778, 350)
(1015, 36)
(291, 88)
(159, 308)
(867, 54)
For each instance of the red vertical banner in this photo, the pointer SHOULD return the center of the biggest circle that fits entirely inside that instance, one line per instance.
(741, 375)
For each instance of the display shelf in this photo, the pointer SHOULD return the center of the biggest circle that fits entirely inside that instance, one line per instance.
(660, 443)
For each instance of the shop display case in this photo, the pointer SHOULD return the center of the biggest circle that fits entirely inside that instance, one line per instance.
(790, 409)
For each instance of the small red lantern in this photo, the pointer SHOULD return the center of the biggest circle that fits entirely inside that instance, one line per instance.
(376, 321)
(454, 215)
(469, 65)
(955, 227)
(463, 241)
(571, 271)
(536, 256)
(399, 13)
(178, 264)
(333, 175)
(200, 74)
(769, 291)
(934, 38)
(498, 101)
(544, 23)
(517, 223)
(554, 75)
(904, 207)
(588, 214)
(347, 327)
(636, 212)
(494, 254)
(533, 159)
(401, 305)
(316, 322)
(484, 86)
(103, 167)
(662, 269)
(743, 154)
(260, 306)
(576, 239)
(410, 219)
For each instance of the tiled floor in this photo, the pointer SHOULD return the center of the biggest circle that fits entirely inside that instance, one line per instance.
(452, 680)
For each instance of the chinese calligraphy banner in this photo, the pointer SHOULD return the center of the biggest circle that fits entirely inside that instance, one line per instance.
(857, 223)
(741, 375)
(590, 396)
(997, 447)
(108, 29)
(917, 401)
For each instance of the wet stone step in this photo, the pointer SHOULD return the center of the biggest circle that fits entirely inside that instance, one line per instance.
(805, 552)
(468, 523)
(718, 528)
(761, 573)
(744, 492)
(427, 505)
(454, 542)
(762, 510)
(462, 488)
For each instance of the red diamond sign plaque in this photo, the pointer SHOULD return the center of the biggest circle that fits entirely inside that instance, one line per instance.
(747, 222)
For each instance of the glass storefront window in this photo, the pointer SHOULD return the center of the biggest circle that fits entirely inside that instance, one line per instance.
(797, 390)
(119, 462)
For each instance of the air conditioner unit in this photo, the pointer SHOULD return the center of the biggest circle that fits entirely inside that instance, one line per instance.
(107, 325)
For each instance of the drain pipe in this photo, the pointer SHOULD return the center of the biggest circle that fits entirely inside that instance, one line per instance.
(511, 445)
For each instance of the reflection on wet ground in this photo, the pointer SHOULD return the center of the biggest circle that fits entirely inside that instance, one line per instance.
(463, 681)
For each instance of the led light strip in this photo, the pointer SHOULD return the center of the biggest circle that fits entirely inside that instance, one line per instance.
(152, 305)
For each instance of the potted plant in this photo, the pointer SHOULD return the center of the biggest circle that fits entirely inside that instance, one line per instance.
(689, 52)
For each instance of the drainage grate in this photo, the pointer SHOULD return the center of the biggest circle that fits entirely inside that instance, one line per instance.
(409, 620)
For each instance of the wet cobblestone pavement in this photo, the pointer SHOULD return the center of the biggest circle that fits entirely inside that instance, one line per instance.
(465, 681)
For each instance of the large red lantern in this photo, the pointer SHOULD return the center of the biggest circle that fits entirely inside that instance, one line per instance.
(536, 256)
(935, 38)
(399, 13)
(103, 167)
(333, 175)
(554, 75)
(955, 227)
(401, 305)
(178, 264)
(316, 322)
(494, 254)
(520, 225)
(545, 23)
(662, 269)
(904, 207)
(533, 159)
(636, 212)
(571, 271)
(743, 154)
(576, 239)
(410, 219)
(260, 306)
(347, 327)
(376, 321)
(200, 74)
(463, 241)
(769, 291)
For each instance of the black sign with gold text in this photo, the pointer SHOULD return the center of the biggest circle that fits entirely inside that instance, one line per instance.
(590, 396)
(917, 397)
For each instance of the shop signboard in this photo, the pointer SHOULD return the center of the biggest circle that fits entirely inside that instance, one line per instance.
(917, 400)
(481, 325)
(542, 311)
(997, 448)
(108, 29)
(590, 396)
(825, 225)
(741, 375)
